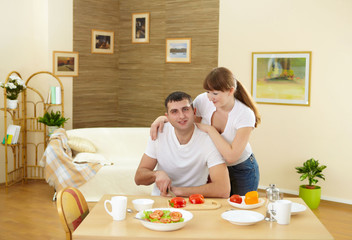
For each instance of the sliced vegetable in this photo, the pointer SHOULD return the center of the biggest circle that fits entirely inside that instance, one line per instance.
(236, 199)
(196, 198)
(154, 215)
(159, 212)
(175, 216)
(177, 202)
(163, 216)
(251, 198)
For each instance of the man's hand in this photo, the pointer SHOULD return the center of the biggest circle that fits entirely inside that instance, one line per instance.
(158, 124)
(163, 182)
(203, 127)
(145, 175)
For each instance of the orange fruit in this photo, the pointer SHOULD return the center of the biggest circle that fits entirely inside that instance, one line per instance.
(251, 198)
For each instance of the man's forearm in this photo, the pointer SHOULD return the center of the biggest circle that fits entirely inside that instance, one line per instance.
(144, 176)
(207, 190)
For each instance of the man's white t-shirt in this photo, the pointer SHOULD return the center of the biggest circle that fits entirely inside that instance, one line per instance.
(240, 116)
(187, 165)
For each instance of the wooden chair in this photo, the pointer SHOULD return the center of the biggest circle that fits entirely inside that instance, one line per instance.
(72, 208)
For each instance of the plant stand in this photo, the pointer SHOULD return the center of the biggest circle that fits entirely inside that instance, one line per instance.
(22, 163)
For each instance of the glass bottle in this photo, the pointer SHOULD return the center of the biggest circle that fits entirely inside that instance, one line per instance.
(272, 194)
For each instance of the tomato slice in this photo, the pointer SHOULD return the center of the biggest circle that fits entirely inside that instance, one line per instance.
(159, 212)
(175, 214)
(166, 220)
(236, 199)
(175, 219)
(196, 198)
(177, 202)
(154, 215)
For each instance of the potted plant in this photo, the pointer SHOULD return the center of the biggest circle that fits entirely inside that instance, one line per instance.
(14, 86)
(53, 119)
(311, 193)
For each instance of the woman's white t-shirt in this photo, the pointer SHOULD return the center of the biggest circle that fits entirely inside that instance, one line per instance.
(187, 165)
(240, 116)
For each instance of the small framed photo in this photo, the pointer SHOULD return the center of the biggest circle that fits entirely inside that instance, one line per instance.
(102, 41)
(178, 50)
(65, 64)
(140, 27)
(281, 77)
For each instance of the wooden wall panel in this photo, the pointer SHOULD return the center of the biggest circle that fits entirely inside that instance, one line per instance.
(95, 100)
(141, 65)
(142, 78)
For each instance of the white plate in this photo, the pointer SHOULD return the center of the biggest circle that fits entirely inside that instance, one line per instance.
(297, 208)
(187, 216)
(243, 205)
(242, 217)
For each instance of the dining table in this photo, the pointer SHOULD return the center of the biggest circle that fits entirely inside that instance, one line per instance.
(205, 224)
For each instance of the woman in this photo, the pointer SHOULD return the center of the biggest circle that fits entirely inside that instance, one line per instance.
(228, 114)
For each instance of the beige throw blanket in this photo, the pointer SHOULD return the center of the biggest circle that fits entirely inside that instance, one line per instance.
(60, 171)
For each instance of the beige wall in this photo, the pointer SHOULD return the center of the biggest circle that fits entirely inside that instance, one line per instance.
(290, 135)
(60, 35)
(31, 30)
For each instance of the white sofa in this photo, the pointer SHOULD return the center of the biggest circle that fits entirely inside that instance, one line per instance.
(122, 146)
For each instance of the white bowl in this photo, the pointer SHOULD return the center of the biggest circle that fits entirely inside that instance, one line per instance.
(142, 203)
(187, 216)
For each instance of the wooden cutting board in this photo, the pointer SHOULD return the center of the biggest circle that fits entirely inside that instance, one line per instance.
(207, 205)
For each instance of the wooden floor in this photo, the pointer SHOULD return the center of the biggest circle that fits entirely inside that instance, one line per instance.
(28, 212)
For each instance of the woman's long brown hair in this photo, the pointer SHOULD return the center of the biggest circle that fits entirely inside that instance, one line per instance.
(222, 79)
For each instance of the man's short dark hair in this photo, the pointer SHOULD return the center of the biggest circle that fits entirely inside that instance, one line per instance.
(177, 97)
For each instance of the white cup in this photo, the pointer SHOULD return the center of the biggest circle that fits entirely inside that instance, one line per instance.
(282, 211)
(118, 207)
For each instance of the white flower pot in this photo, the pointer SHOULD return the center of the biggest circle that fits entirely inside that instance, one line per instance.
(51, 129)
(12, 104)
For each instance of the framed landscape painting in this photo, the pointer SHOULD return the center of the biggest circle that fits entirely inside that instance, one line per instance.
(140, 27)
(65, 64)
(102, 41)
(281, 77)
(178, 50)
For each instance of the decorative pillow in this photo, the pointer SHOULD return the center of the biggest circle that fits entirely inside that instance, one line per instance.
(81, 144)
(91, 158)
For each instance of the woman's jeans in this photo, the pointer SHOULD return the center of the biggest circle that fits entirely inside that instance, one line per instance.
(244, 177)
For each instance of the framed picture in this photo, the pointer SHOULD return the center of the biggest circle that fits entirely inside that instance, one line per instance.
(281, 77)
(140, 27)
(102, 41)
(178, 50)
(65, 64)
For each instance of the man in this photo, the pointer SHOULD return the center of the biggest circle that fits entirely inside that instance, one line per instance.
(184, 156)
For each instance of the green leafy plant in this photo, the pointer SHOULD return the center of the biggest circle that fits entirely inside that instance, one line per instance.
(311, 170)
(53, 119)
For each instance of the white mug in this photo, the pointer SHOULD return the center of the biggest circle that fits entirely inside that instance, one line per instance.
(282, 211)
(118, 207)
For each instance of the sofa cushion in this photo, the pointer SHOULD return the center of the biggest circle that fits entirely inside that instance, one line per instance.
(121, 145)
(80, 144)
